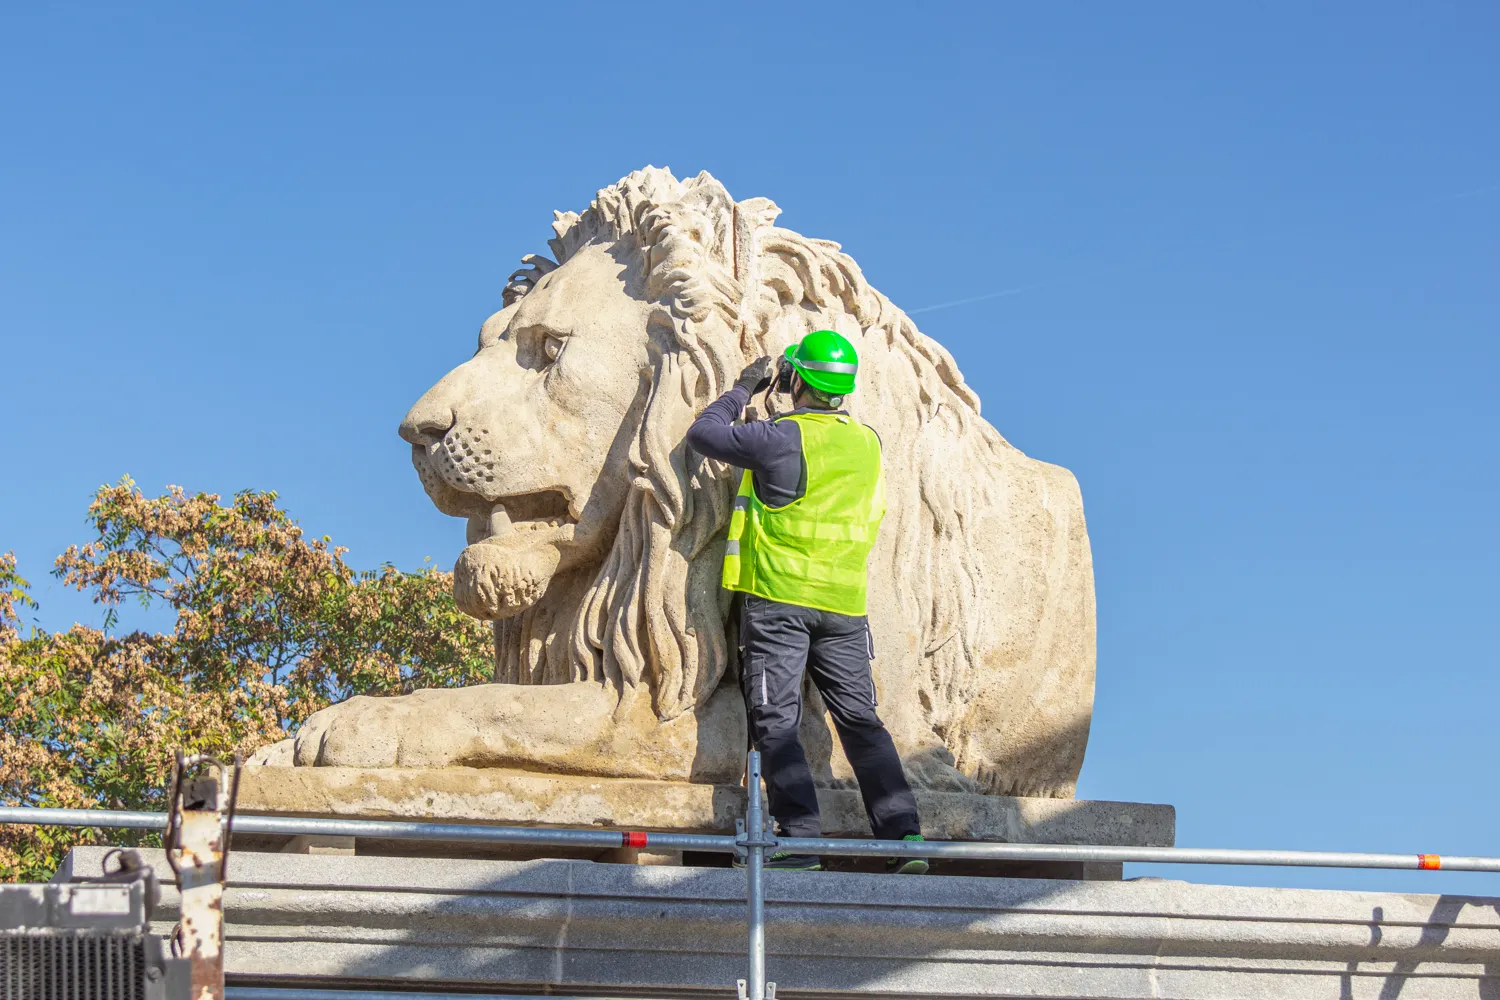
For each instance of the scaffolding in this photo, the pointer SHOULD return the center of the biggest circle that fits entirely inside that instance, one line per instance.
(753, 842)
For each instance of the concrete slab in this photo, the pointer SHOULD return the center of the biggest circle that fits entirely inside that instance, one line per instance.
(578, 927)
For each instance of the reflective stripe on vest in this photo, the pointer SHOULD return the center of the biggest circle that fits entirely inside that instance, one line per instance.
(813, 552)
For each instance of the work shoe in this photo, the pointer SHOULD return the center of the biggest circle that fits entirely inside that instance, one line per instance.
(781, 861)
(907, 866)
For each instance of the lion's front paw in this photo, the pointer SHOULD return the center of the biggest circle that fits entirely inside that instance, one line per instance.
(361, 732)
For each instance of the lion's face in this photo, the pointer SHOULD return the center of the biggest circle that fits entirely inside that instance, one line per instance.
(529, 439)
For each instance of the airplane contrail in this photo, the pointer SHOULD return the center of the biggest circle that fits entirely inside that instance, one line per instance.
(1004, 292)
(1467, 194)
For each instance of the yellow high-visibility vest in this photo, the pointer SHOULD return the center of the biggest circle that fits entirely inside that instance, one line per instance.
(813, 552)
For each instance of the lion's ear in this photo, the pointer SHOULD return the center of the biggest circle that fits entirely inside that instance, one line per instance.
(758, 211)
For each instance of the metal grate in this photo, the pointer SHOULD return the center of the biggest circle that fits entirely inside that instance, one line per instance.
(46, 965)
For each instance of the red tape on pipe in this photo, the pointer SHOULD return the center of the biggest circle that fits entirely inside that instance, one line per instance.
(633, 839)
(1429, 862)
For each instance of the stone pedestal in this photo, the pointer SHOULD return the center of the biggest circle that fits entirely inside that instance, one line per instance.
(487, 795)
(567, 927)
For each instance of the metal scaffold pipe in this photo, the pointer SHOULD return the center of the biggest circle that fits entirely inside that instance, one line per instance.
(1147, 855)
(755, 842)
(107, 819)
(605, 839)
(300, 993)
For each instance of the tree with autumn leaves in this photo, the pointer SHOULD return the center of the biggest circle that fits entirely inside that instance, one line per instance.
(270, 627)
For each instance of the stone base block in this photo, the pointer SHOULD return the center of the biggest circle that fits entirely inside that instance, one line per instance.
(314, 844)
(485, 795)
(561, 928)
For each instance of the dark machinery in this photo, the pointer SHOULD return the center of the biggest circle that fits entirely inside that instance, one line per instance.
(88, 939)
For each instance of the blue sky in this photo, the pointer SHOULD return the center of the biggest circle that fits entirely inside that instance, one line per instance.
(1258, 265)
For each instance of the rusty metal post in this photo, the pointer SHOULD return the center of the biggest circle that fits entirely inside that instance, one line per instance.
(197, 845)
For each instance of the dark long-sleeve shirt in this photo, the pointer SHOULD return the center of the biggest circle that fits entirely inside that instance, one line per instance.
(771, 450)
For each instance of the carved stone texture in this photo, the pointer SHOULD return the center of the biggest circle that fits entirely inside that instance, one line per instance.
(596, 536)
(520, 798)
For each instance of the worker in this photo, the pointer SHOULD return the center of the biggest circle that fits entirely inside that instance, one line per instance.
(809, 506)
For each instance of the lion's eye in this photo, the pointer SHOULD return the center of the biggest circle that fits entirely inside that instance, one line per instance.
(552, 347)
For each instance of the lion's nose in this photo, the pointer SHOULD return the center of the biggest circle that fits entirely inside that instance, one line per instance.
(428, 421)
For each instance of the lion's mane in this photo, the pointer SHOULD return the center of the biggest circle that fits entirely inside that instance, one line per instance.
(729, 286)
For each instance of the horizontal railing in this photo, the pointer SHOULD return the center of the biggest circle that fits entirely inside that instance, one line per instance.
(299, 993)
(728, 844)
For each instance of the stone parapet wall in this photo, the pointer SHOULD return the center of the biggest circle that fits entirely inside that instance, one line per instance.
(580, 927)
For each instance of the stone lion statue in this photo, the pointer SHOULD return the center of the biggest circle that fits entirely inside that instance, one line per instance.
(595, 535)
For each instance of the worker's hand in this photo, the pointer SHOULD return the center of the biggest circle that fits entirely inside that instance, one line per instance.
(757, 374)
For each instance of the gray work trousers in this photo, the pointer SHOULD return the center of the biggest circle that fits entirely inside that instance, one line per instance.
(777, 643)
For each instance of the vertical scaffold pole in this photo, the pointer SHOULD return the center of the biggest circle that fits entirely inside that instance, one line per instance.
(755, 841)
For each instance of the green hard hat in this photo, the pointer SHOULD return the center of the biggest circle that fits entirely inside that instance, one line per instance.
(826, 361)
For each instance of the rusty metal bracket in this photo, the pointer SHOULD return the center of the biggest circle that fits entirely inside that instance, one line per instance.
(199, 810)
